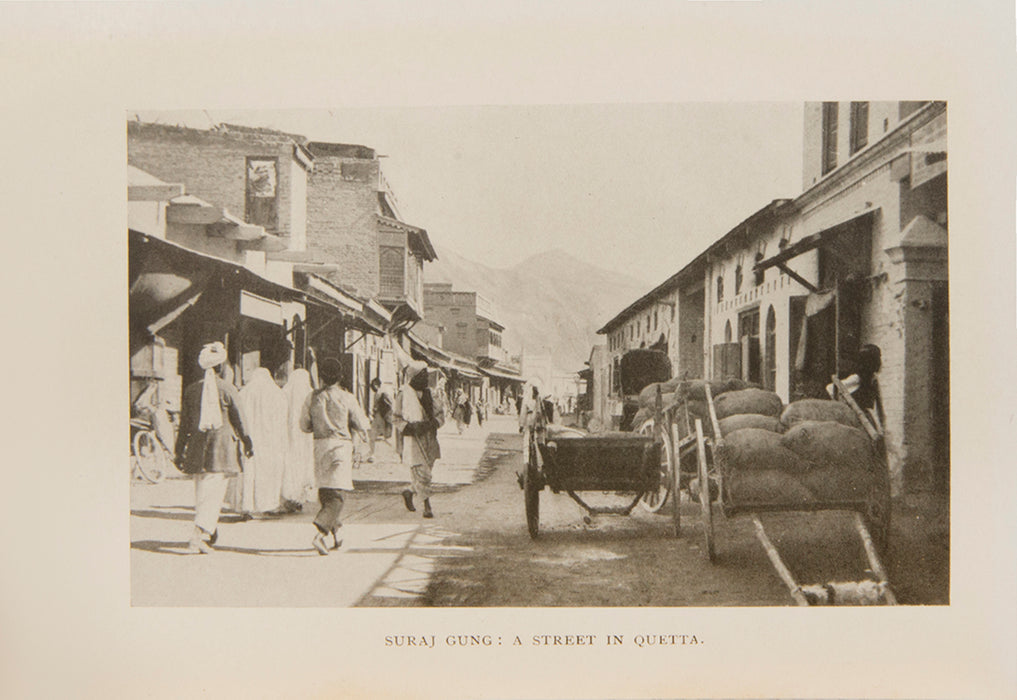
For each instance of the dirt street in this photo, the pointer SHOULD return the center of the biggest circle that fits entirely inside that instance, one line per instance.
(620, 561)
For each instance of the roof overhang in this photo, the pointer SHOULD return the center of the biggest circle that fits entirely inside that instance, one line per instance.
(145, 187)
(418, 238)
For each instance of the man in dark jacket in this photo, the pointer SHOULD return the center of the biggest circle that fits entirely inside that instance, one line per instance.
(208, 444)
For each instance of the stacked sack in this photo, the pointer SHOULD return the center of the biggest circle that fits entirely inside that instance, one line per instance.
(813, 450)
(758, 467)
(691, 392)
(830, 437)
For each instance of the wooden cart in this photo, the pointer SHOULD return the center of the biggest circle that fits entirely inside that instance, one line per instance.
(569, 461)
(870, 511)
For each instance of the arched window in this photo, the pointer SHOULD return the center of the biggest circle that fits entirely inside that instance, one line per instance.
(759, 274)
(727, 332)
(720, 288)
(770, 351)
(738, 279)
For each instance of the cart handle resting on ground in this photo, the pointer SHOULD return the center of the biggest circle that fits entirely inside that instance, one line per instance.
(870, 511)
(567, 460)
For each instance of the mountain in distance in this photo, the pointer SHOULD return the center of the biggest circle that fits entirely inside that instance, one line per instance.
(551, 303)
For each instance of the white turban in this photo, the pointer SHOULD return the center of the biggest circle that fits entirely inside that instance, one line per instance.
(212, 355)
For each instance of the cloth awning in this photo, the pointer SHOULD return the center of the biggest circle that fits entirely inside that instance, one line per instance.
(165, 279)
(466, 372)
(495, 374)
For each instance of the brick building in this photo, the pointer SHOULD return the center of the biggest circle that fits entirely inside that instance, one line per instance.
(265, 173)
(259, 174)
(466, 321)
(352, 218)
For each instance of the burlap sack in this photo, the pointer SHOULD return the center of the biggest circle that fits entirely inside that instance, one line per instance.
(767, 487)
(819, 410)
(828, 444)
(750, 420)
(695, 389)
(838, 485)
(758, 401)
(755, 449)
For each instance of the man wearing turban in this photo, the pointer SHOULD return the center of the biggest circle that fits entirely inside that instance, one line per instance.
(212, 430)
(418, 416)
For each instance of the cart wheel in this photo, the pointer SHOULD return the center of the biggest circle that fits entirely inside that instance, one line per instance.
(653, 501)
(676, 493)
(705, 492)
(149, 456)
(531, 494)
(877, 515)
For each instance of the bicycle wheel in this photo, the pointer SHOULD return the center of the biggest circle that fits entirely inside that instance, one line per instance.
(149, 456)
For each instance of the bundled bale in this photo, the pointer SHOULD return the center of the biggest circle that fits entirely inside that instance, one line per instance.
(829, 444)
(758, 401)
(819, 410)
(767, 487)
(750, 420)
(755, 449)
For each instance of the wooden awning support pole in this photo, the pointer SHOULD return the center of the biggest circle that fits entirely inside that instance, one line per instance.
(796, 277)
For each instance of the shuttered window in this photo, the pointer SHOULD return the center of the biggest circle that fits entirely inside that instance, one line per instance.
(829, 136)
(859, 126)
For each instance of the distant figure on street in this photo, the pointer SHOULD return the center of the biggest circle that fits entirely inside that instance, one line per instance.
(333, 415)
(461, 409)
(298, 470)
(417, 416)
(381, 416)
(212, 428)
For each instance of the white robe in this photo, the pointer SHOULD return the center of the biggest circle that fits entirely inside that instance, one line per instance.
(265, 409)
(298, 471)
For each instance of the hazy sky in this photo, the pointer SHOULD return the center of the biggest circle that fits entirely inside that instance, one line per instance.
(637, 188)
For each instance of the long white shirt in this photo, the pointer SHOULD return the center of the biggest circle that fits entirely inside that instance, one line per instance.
(265, 408)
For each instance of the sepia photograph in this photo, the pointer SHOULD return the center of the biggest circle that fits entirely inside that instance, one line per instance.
(510, 351)
(458, 357)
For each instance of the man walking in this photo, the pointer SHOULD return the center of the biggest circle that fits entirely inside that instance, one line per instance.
(333, 415)
(417, 414)
(211, 427)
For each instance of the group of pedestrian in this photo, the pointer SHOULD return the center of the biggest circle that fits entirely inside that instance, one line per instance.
(465, 409)
(276, 443)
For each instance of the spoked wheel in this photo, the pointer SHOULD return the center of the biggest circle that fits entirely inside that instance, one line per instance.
(676, 513)
(653, 501)
(149, 456)
(531, 494)
(704, 492)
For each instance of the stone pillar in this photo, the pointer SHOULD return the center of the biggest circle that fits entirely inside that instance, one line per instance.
(922, 257)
